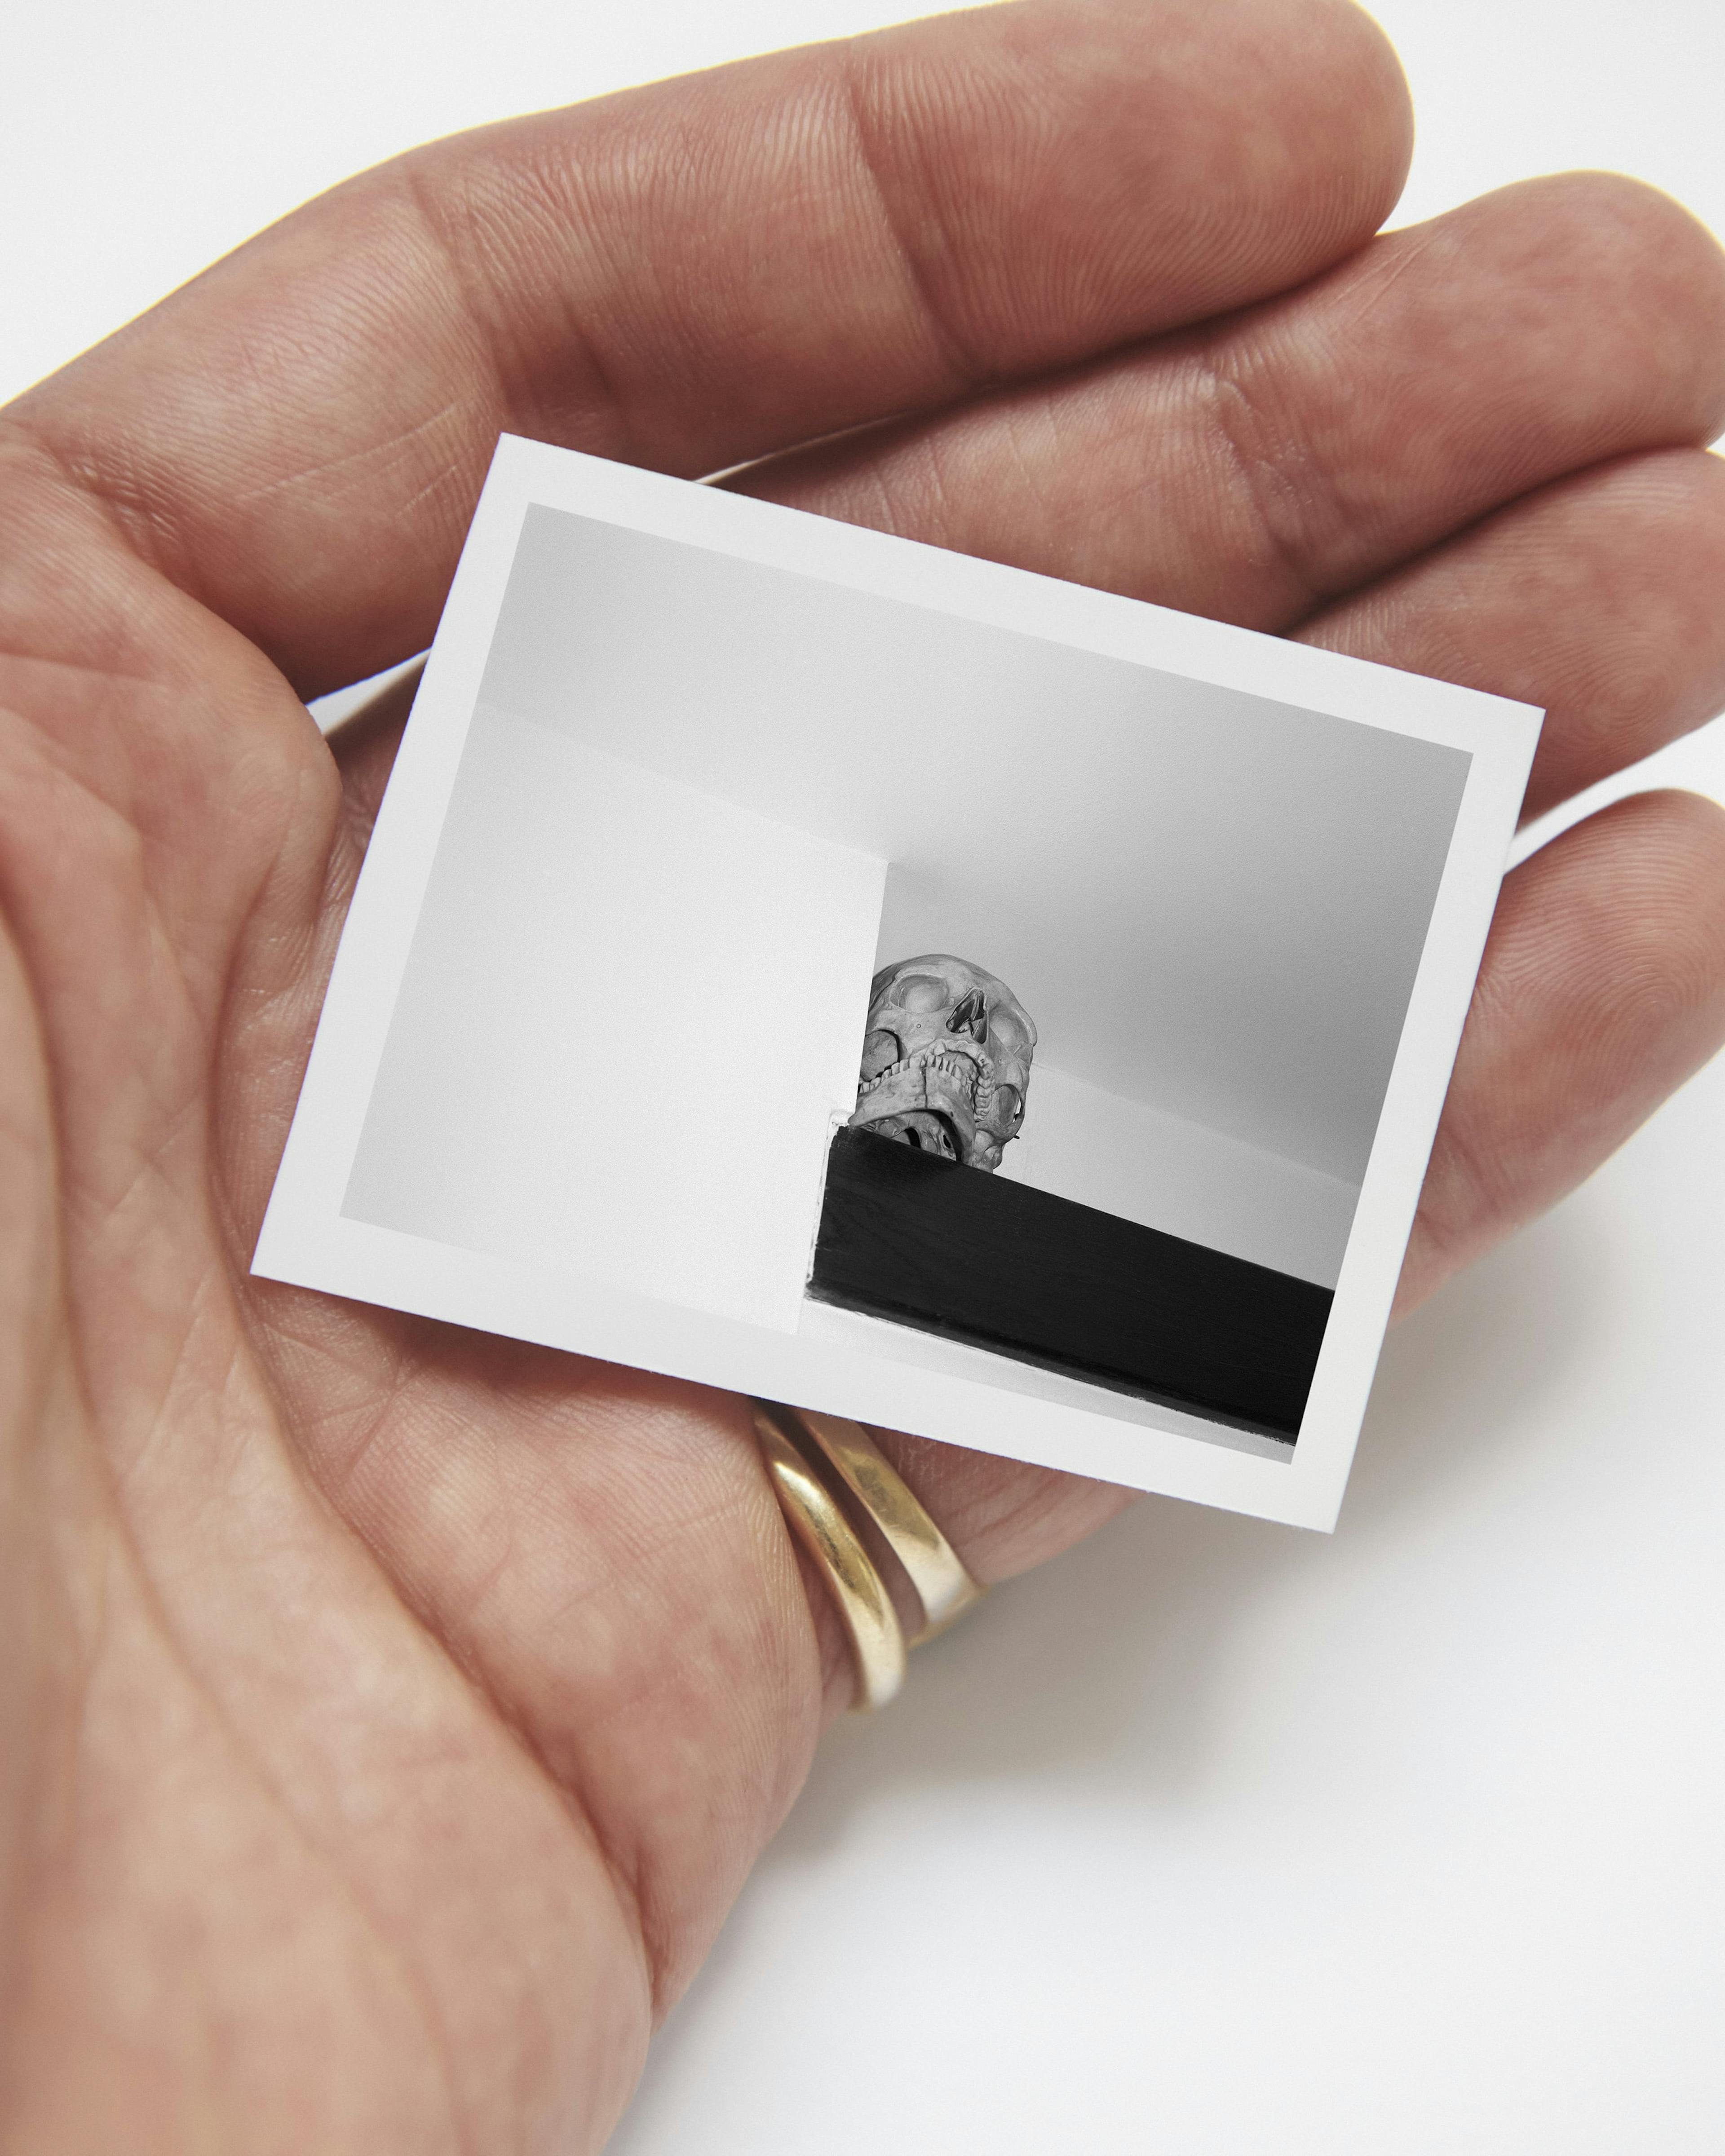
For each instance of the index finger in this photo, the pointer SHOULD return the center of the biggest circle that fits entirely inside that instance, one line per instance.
(692, 275)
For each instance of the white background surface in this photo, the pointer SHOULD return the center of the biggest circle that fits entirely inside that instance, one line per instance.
(1214, 1838)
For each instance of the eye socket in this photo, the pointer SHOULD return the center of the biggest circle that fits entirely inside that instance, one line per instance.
(919, 992)
(1008, 1033)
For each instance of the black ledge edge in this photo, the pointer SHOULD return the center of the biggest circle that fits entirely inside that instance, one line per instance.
(926, 1242)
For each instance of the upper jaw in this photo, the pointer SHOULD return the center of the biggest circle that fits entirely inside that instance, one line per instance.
(956, 1053)
(944, 1081)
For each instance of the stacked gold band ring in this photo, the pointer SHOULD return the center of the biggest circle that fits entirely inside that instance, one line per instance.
(795, 1444)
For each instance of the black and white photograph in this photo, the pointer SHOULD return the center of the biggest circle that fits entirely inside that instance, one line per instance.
(880, 955)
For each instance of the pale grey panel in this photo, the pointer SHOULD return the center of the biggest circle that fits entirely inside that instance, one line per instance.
(1212, 902)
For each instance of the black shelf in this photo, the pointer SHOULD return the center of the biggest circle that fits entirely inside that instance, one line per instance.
(925, 1242)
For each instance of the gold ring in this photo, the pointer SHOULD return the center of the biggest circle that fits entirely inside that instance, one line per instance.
(943, 1586)
(791, 1439)
(877, 1639)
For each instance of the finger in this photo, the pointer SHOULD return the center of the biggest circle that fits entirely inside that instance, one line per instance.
(1603, 988)
(1252, 470)
(1595, 596)
(691, 276)
(1598, 599)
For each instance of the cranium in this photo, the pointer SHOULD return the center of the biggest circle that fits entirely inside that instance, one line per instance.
(946, 1062)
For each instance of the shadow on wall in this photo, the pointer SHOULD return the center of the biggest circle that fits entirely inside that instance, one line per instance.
(1082, 1142)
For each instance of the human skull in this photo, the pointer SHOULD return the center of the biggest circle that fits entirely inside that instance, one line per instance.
(946, 1062)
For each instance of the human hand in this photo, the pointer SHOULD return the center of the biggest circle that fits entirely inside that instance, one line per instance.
(390, 1712)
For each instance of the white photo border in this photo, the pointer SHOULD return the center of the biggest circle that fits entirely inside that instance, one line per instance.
(306, 1239)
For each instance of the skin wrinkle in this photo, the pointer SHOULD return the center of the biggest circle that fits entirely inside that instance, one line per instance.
(505, 391)
(187, 1381)
(81, 671)
(62, 782)
(797, 144)
(608, 414)
(382, 1431)
(628, 1855)
(643, 1538)
(137, 855)
(565, 1760)
(102, 1214)
(143, 527)
(34, 1171)
(567, 1771)
(566, 1765)
(964, 370)
(1444, 246)
(392, 1951)
(1460, 1156)
(42, 455)
(318, 803)
(279, 486)
(271, 787)
(377, 1925)
(121, 1545)
(56, 1772)
(391, 1388)
(119, 497)
(672, 162)
(302, 940)
(1026, 481)
(1382, 270)
(1226, 402)
(433, 491)
(377, 1424)
(993, 1523)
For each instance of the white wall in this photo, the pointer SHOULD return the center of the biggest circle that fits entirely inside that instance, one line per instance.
(630, 1013)
(1182, 1177)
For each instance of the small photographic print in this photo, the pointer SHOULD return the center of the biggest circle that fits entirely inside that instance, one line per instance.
(809, 962)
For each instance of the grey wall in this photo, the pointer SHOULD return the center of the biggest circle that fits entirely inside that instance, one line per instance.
(1212, 903)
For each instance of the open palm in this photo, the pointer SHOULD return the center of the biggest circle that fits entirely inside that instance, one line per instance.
(391, 1712)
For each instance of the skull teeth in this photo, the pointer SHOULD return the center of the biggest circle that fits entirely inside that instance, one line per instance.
(974, 1080)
